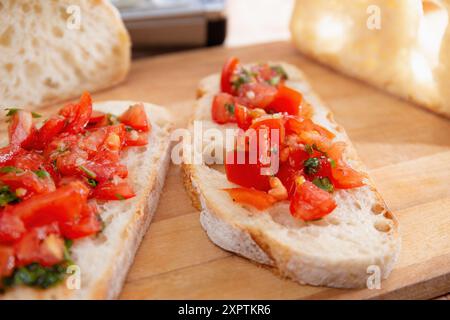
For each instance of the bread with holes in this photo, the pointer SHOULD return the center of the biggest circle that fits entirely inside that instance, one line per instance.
(52, 51)
(104, 260)
(402, 47)
(340, 250)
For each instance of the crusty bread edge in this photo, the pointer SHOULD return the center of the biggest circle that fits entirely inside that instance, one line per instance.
(252, 244)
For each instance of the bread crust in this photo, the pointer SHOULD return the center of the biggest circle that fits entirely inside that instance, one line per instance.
(254, 243)
(109, 284)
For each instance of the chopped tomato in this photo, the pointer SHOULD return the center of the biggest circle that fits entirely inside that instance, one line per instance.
(243, 118)
(136, 138)
(21, 129)
(51, 128)
(8, 153)
(257, 94)
(42, 245)
(136, 117)
(344, 177)
(113, 191)
(270, 124)
(255, 198)
(314, 138)
(223, 108)
(28, 160)
(62, 205)
(228, 71)
(7, 261)
(309, 202)
(29, 182)
(297, 126)
(96, 117)
(287, 176)
(78, 114)
(11, 227)
(297, 156)
(104, 166)
(240, 170)
(87, 225)
(286, 100)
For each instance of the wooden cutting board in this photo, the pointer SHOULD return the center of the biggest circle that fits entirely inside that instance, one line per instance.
(407, 150)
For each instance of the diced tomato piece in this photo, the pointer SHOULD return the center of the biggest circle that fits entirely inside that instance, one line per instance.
(42, 245)
(255, 198)
(63, 205)
(246, 174)
(243, 118)
(297, 156)
(88, 224)
(113, 191)
(78, 115)
(136, 138)
(223, 108)
(7, 261)
(309, 202)
(136, 117)
(21, 129)
(51, 128)
(257, 94)
(269, 124)
(314, 138)
(11, 227)
(96, 117)
(344, 177)
(286, 100)
(72, 162)
(27, 160)
(228, 71)
(297, 126)
(29, 181)
(104, 166)
(287, 176)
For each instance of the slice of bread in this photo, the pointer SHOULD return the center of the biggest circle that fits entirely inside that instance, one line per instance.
(104, 260)
(359, 238)
(402, 47)
(52, 51)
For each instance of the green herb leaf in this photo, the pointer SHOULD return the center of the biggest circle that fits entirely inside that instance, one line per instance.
(311, 165)
(10, 169)
(119, 196)
(42, 173)
(280, 72)
(92, 182)
(35, 275)
(230, 108)
(89, 173)
(332, 162)
(274, 81)
(7, 196)
(36, 115)
(324, 184)
(11, 111)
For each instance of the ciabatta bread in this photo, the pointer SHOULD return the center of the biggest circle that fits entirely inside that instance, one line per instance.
(104, 260)
(341, 250)
(52, 51)
(402, 47)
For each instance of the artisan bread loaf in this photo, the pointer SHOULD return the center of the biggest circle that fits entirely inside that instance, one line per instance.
(104, 260)
(341, 250)
(51, 51)
(399, 46)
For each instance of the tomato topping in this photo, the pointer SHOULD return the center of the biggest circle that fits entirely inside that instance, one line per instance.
(78, 115)
(88, 224)
(11, 227)
(51, 128)
(269, 124)
(223, 108)
(62, 205)
(42, 245)
(136, 138)
(309, 202)
(297, 126)
(257, 94)
(287, 176)
(345, 177)
(30, 182)
(7, 154)
(255, 198)
(246, 174)
(243, 117)
(136, 117)
(7, 261)
(21, 129)
(286, 100)
(96, 117)
(113, 191)
(228, 71)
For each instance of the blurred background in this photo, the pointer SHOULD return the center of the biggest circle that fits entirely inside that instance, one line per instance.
(161, 26)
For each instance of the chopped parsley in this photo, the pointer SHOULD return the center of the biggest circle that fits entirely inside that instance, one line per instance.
(12, 111)
(311, 165)
(119, 196)
(230, 108)
(89, 173)
(41, 173)
(92, 182)
(10, 169)
(281, 73)
(7, 196)
(244, 76)
(332, 162)
(324, 184)
(36, 115)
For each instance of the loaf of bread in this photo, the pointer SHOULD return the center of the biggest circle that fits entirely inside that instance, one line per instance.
(400, 46)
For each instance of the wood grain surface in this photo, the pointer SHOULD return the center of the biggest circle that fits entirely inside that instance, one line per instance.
(406, 149)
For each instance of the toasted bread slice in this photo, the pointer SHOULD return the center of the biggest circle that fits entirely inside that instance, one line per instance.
(104, 260)
(341, 250)
(52, 51)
